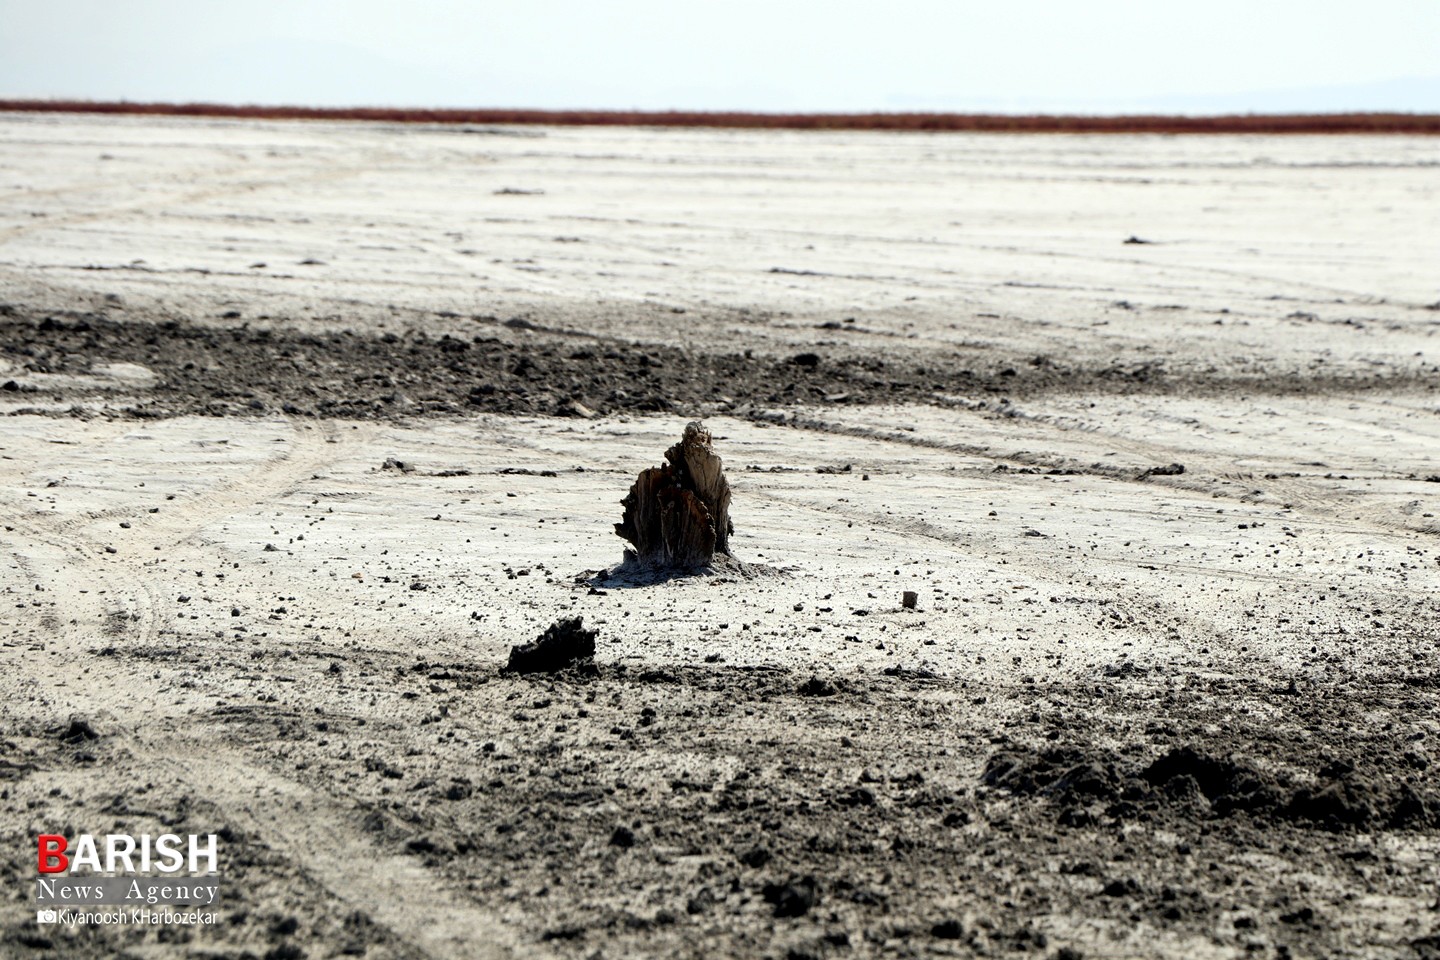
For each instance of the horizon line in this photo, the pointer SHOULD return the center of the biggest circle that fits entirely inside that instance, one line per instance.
(1340, 122)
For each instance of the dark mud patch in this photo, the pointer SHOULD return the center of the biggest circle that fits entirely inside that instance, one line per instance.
(664, 809)
(244, 371)
(767, 811)
(1089, 783)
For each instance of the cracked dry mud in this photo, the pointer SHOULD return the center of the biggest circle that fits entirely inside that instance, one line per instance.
(270, 534)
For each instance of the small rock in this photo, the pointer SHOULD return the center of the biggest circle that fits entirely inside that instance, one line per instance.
(755, 857)
(793, 899)
(1120, 888)
(574, 408)
(285, 927)
(78, 732)
(816, 687)
(909, 599)
(701, 902)
(947, 930)
(420, 845)
(567, 932)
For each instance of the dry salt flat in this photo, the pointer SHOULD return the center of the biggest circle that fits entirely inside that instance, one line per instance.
(292, 625)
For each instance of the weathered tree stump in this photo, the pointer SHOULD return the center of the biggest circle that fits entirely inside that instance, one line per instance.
(678, 514)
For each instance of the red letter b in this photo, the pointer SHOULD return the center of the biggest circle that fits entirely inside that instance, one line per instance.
(52, 853)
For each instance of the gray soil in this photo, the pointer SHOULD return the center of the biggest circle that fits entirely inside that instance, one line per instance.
(520, 367)
(306, 426)
(711, 810)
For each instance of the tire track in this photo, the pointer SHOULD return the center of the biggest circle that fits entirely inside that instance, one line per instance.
(314, 830)
(1296, 491)
(182, 520)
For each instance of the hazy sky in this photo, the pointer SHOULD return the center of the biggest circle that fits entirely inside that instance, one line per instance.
(1098, 55)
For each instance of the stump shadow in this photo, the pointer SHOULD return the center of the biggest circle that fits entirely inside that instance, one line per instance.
(633, 572)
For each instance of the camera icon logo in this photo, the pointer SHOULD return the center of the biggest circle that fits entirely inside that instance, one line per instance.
(47, 916)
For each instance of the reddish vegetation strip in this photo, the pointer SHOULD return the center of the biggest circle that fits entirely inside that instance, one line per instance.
(1407, 123)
